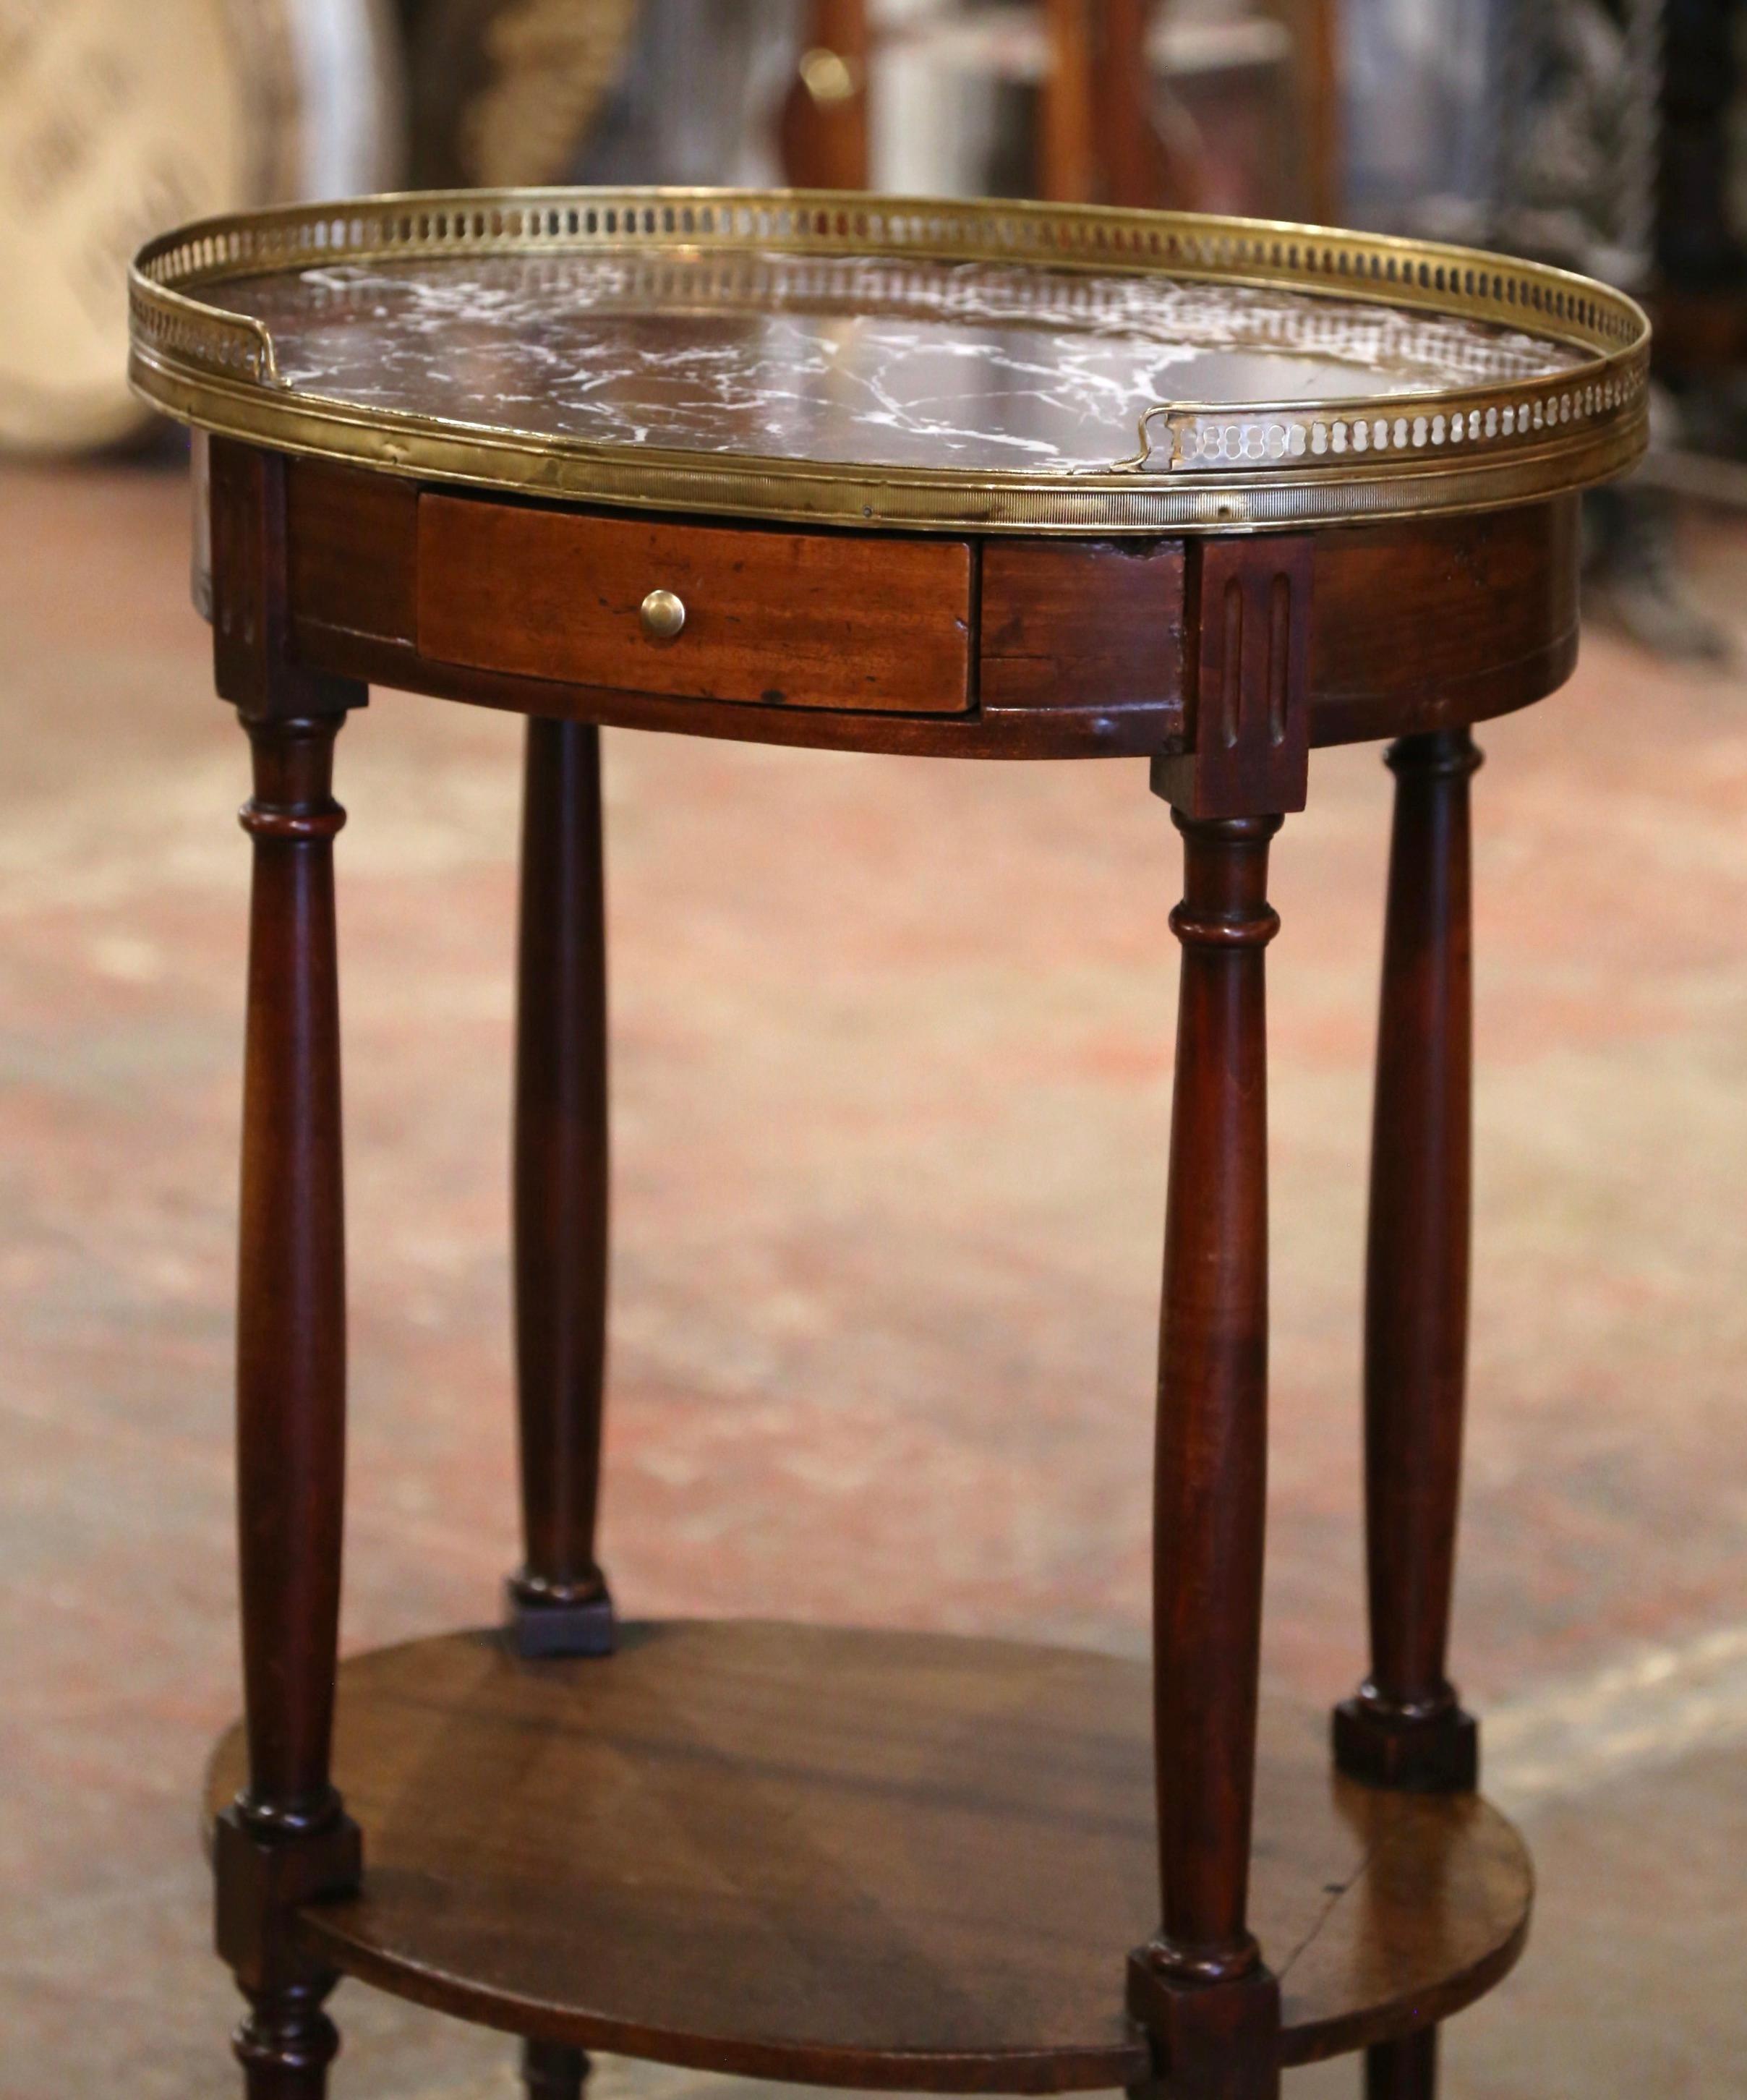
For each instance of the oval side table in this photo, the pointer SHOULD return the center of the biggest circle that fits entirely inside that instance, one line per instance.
(885, 475)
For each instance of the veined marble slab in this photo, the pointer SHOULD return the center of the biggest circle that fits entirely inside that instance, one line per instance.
(857, 361)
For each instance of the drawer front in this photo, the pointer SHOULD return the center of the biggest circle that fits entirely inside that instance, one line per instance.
(801, 620)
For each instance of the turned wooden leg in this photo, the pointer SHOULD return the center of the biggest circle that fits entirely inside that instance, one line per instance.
(1201, 1986)
(558, 1599)
(286, 1839)
(550, 2071)
(1404, 1726)
(1405, 2070)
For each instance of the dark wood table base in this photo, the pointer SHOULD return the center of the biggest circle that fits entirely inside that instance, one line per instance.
(877, 1859)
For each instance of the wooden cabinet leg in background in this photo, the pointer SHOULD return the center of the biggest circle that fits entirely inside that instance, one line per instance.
(286, 1839)
(1404, 1727)
(822, 126)
(551, 2070)
(1200, 1986)
(559, 1601)
(1098, 139)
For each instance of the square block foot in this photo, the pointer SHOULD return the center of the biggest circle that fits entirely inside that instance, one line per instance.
(1210, 2041)
(260, 1880)
(1438, 1754)
(540, 1628)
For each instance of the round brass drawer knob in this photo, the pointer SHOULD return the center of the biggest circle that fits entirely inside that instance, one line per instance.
(663, 615)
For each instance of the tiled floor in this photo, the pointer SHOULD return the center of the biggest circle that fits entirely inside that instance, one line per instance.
(891, 1048)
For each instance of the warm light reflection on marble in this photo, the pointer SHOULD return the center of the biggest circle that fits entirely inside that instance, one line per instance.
(850, 359)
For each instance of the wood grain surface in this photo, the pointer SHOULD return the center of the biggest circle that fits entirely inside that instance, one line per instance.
(883, 1859)
(1083, 622)
(797, 619)
(1416, 625)
(1427, 624)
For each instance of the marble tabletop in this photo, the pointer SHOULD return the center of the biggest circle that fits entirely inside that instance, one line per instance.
(871, 361)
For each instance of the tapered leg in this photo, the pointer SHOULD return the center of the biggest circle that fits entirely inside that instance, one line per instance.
(559, 1601)
(1404, 1726)
(1405, 2070)
(1201, 1986)
(286, 1838)
(551, 2072)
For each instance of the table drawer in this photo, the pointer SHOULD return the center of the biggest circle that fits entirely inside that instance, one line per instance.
(802, 619)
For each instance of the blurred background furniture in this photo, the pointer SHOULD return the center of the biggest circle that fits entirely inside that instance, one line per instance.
(824, 128)
(122, 119)
(115, 119)
(1119, 125)
(505, 91)
(1149, 103)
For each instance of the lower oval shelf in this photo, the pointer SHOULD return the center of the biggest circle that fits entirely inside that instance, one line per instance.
(884, 1859)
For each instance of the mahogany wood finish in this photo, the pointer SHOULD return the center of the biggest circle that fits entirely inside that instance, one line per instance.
(558, 1599)
(885, 1860)
(1200, 1983)
(351, 560)
(1077, 652)
(291, 1320)
(254, 665)
(285, 1837)
(1404, 2070)
(1099, 623)
(796, 620)
(1249, 604)
(551, 2070)
(1201, 1986)
(1404, 1727)
(878, 1860)
(1442, 622)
